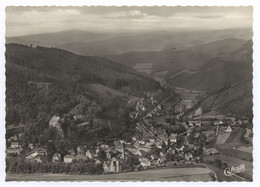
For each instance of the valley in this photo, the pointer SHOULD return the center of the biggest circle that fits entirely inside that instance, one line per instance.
(172, 110)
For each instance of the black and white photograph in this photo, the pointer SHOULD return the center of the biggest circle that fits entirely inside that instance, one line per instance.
(129, 93)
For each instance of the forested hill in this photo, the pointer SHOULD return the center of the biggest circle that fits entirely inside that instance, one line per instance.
(67, 76)
(81, 69)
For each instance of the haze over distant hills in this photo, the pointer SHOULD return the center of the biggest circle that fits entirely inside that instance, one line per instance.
(99, 44)
(223, 67)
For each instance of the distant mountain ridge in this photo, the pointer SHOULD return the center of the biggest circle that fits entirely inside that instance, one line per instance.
(100, 44)
(192, 66)
(223, 67)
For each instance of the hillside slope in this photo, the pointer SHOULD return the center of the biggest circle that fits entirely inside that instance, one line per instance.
(41, 82)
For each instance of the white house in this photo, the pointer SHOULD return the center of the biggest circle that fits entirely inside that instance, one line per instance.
(97, 162)
(90, 154)
(68, 158)
(145, 162)
(228, 129)
(54, 121)
(173, 137)
(14, 145)
(56, 157)
(198, 112)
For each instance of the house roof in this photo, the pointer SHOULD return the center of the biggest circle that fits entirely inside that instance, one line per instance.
(148, 144)
(136, 144)
(33, 155)
(68, 156)
(91, 151)
(83, 124)
(142, 152)
(56, 155)
(145, 161)
(173, 136)
(134, 151)
(212, 150)
(55, 118)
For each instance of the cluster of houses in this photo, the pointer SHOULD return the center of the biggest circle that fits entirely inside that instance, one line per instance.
(147, 139)
(14, 149)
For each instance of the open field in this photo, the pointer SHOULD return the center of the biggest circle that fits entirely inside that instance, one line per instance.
(189, 94)
(222, 137)
(246, 149)
(144, 67)
(168, 174)
(232, 161)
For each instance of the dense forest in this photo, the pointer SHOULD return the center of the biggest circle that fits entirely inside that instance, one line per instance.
(29, 69)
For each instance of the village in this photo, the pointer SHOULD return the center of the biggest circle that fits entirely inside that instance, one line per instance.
(164, 136)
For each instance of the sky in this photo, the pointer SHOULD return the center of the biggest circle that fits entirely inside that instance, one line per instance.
(36, 20)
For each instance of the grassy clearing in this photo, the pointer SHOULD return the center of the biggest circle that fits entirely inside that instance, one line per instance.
(222, 138)
(246, 149)
(168, 174)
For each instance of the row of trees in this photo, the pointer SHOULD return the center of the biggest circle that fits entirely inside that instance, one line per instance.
(17, 165)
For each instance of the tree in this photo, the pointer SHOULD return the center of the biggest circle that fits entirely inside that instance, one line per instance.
(102, 155)
(217, 163)
(62, 147)
(51, 149)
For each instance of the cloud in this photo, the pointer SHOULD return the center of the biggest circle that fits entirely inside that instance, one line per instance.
(35, 20)
(131, 14)
(136, 14)
(209, 16)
